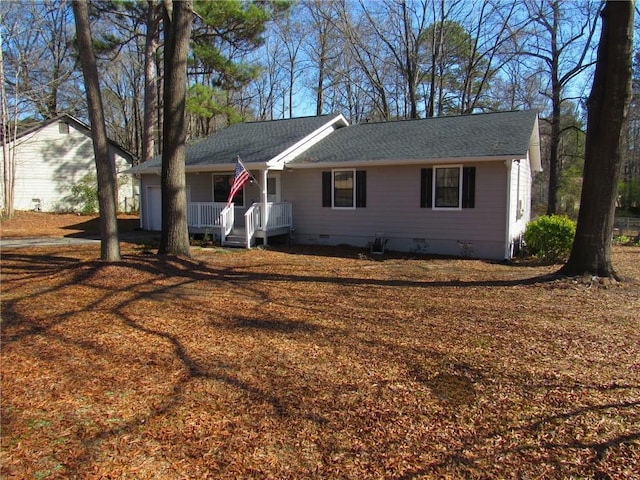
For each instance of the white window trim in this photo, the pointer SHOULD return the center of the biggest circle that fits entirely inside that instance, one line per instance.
(333, 189)
(434, 190)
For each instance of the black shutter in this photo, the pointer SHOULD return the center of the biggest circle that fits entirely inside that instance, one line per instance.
(326, 189)
(361, 188)
(468, 187)
(426, 187)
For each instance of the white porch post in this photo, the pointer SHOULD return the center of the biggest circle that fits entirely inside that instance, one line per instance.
(265, 212)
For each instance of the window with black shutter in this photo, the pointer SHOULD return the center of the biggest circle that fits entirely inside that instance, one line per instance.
(426, 188)
(344, 189)
(326, 189)
(468, 187)
(447, 187)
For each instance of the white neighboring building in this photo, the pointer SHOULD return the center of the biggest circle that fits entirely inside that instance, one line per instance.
(54, 156)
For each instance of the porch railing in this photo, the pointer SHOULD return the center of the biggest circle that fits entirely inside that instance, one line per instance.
(226, 221)
(279, 215)
(216, 214)
(251, 223)
(204, 214)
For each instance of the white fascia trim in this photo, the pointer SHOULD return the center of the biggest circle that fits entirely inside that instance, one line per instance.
(278, 162)
(223, 167)
(395, 163)
(534, 148)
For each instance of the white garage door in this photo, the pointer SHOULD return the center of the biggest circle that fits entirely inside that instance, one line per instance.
(154, 208)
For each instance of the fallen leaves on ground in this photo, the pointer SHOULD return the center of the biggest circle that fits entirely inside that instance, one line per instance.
(315, 363)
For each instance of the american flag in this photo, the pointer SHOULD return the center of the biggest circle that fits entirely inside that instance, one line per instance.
(240, 178)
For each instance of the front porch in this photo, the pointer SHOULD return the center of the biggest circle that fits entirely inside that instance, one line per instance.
(217, 219)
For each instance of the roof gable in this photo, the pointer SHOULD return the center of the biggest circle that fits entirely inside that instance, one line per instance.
(271, 141)
(79, 126)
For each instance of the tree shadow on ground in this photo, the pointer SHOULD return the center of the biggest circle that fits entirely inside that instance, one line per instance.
(456, 386)
(91, 227)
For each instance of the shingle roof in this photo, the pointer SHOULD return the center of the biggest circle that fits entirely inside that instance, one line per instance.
(503, 134)
(252, 141)
(480, 135)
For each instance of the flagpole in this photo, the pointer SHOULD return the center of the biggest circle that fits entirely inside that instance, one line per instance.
(249, 172)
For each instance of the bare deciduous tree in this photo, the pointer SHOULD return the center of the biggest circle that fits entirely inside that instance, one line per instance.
(607, 106)
(562, 39)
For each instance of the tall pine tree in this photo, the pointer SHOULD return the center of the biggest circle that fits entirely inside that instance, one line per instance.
(174, 238)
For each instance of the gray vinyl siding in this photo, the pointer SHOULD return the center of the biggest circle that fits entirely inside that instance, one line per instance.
(199, 187)
(393, 207)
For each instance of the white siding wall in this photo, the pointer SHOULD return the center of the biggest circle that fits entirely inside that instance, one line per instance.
(49, 163)
(393, 207)
(149, 211)
(520, 199)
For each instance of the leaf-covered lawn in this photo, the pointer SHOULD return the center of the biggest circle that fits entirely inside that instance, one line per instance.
(315, 363)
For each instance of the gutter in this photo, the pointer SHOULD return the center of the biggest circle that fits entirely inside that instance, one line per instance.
(402, 162)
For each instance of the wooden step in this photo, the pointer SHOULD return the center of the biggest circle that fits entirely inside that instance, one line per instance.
(237, 238)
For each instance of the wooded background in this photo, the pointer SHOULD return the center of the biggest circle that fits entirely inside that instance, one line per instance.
(369, 60)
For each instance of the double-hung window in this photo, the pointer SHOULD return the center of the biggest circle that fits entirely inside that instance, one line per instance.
(222, 188)
(344, 192)
(450, 187)
(344, 189)
(447, 187)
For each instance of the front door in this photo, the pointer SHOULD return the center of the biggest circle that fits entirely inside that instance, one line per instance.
(273, 187)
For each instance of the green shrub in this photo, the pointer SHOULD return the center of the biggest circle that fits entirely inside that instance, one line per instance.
(622, 240)
(550, 237)
(84, 194)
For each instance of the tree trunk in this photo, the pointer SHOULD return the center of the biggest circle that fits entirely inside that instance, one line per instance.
(8, 155)
(554, 140)
(554, 143)
(150, 82)
(411, 61)
(607, 109)
(321, 67)
(174, 237)
(110, 247)
(436, 47)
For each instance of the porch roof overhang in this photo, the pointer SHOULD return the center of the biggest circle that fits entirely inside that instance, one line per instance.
(224, 167)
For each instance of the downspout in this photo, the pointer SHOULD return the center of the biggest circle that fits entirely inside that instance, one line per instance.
(265, 212)
(140, 198)
(507, 236)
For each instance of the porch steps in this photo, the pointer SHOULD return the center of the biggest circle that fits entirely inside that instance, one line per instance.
(237, 238)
